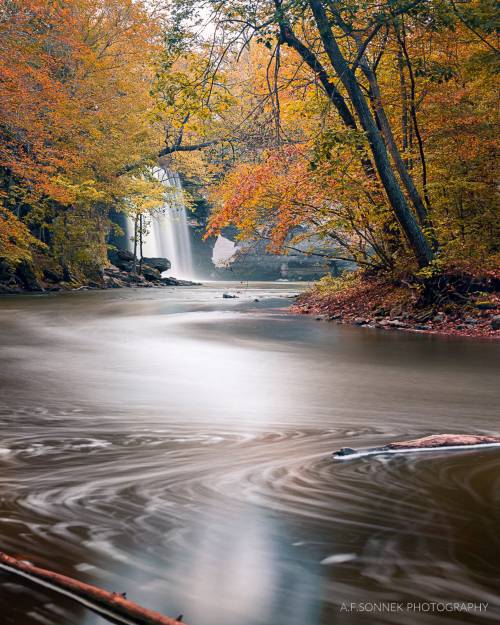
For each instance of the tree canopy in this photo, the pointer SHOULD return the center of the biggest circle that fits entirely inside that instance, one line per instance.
(368, 126)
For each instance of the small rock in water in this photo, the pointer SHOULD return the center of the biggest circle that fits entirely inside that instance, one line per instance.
(345, 451)
(338, 558)
(229, 296)
(359, 321)
(393, 323)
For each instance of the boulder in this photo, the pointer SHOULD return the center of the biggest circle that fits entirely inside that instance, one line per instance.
(126, 265)
(123, 259)
(125, 254)
(151, 274)
(471, 321)
(229, 296)
(169, 281)
(359, 321)
(160, 264)
(393, 323)
(495, 322)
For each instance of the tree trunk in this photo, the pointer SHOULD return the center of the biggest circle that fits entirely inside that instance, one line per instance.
(136, 220)
(404, 108)
(390, 142)
(413, 111)
(141, 232)
(288, 36)
(110, 605)
(414, 235)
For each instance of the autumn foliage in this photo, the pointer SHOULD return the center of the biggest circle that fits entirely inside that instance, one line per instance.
(362, 132)
(75, 112)
(431, 74)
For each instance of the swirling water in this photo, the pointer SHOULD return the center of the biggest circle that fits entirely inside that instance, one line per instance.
(175, 445)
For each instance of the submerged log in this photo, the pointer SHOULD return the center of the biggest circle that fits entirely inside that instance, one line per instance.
(451, 442)
(110, 605)
(445, 440)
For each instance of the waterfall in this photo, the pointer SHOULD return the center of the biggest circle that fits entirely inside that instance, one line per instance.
(168, 232)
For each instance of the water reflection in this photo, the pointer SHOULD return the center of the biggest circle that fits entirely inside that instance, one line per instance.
(175, 445)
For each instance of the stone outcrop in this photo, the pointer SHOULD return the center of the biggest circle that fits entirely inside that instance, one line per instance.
(119, 274)
(160, 264)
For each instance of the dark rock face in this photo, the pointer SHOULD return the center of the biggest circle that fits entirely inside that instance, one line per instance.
(123, 259)
(176, 282)
(52, 276)
(5, 271)
(151, 274)
(119, 274)
(27, 276)
(160, 264)
(125, 255)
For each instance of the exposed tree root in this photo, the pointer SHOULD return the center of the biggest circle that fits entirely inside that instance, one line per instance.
(110, 605)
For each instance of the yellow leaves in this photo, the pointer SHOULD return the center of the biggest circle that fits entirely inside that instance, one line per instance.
(16, 241)
(143, 195)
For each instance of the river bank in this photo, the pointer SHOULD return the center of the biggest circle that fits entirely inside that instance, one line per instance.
(378, 303)
(121, 272)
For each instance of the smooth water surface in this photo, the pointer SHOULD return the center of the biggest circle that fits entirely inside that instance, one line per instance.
(175, 445)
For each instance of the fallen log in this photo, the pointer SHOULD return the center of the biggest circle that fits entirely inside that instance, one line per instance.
(436, 442)
(110, 605)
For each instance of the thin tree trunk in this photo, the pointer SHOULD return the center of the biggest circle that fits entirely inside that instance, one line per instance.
(288, 36)
(404, 108)
(136, 220)
(386, 130)
(416, 238)
(413, 112)
(141, 232)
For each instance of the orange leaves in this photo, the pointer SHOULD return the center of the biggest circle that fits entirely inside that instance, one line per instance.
(269, 199)
(75, 112)
(34, 49)
(74, 92)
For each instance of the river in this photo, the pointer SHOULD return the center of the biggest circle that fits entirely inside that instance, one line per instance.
(175, 445)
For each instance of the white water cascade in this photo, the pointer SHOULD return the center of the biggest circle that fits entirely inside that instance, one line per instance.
(168, 233)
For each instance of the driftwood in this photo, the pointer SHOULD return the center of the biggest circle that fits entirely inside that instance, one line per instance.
(446, 440)
(452, 442)
(110, 605)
